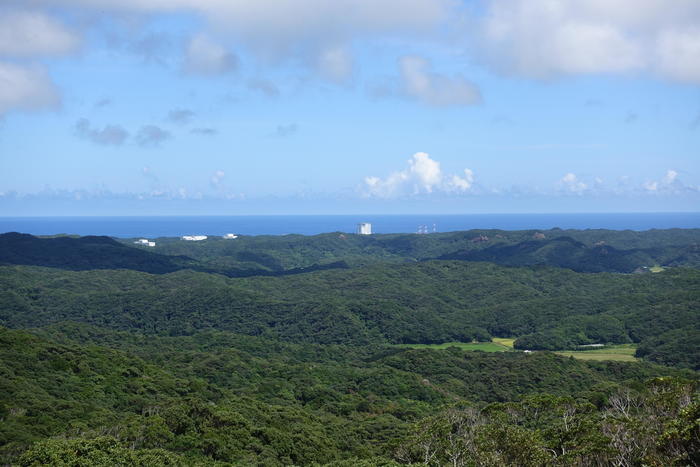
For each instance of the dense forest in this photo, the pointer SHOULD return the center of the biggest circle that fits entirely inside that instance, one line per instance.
(285, 350)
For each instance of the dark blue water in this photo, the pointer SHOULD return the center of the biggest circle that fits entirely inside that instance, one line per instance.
(172, 226)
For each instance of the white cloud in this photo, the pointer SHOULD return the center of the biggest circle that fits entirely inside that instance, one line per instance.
(26, 88)
(316, 33)
(30, 33)
(545, 38)
(285, 22)
(206, 57)
(458, 183)
(571, 184)
(425, 171)
(669, 183)
(217, 177)
(423, 175)
(670, 177)
(435, 89)
(678, 54)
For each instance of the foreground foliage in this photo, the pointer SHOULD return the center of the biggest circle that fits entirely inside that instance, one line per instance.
(218, 397)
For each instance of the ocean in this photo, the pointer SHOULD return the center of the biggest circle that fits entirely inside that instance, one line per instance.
(175, 226)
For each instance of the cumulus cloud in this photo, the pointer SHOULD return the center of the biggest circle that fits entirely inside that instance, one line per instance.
(669, 183)
(433, 88)
(422, 176)
(546, 38)
(26, 33)
(152, 135)
(464, 183)
(203, 56)
(570, 183)
(110, 135)
(26, 88)
(180, 116)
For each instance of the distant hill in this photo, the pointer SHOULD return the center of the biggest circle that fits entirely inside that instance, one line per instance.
(83, 253)
(564, 252)
(579, 250)
(424, 302)
(93, 252)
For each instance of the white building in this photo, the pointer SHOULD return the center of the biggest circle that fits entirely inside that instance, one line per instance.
(364, 228)
(230, 236)
(145, 242)
(194, 238)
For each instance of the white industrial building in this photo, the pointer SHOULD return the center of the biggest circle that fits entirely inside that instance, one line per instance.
(364, 228)
(194, 238)
(230, 236)
(145, 242)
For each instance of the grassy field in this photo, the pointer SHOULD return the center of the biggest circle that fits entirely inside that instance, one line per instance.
(483, 346)
(505, 341)
(620, 353)
(656, 269)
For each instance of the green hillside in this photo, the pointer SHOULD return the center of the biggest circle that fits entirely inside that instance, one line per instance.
(427, 302)
(220, 397)
(346, 350)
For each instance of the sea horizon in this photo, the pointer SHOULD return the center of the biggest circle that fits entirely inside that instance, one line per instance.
(314, 224)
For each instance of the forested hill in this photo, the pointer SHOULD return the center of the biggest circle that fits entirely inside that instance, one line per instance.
(425, 302)
(579, 250)
(67, 398)
(83, 253)
(292, 350)
(582, 251)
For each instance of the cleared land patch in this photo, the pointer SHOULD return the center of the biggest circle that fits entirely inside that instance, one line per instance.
(482, 346)
(620, 353)
(506, 341)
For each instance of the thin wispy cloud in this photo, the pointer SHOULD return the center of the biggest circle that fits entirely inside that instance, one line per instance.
(435, 89)
(283, 131)
(204, 56)
(204, 131)
(151, 136)
(180, 116)
(266, 87)
(109, 135)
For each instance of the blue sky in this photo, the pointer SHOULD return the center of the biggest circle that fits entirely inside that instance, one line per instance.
(128, 107)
